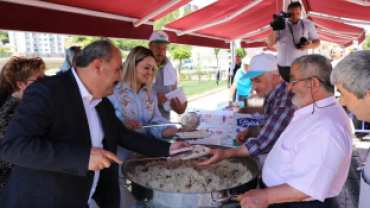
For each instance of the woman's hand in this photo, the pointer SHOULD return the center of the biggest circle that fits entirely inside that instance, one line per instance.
(132, 125)
(169, 132)
(179, 145)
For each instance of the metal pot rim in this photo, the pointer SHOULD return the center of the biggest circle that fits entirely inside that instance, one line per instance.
(207, 192)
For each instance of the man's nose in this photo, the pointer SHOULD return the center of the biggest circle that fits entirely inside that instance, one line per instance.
(290, 86)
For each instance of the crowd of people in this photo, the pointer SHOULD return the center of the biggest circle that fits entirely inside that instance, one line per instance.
(62, 137)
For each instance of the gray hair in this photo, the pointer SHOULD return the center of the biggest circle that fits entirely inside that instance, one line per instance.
(353, 72)
(315, 65)
(102, 50)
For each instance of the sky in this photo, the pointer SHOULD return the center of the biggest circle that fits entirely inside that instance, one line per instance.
(202, 3)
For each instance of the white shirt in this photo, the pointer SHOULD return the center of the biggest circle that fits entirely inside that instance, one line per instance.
(313, 153)
(95, 127)
(287, 52)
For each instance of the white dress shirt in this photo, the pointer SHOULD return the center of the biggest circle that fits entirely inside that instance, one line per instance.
(313, 153)
(287, 52)
(95, 127)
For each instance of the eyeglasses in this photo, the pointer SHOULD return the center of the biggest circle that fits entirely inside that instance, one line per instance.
(298, 80)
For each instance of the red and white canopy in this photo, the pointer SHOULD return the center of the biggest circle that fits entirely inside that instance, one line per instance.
(249, 20)
(214, 26)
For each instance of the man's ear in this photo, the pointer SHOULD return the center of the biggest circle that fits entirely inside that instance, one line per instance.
(97, 66)
(315, 84)
(21, 85)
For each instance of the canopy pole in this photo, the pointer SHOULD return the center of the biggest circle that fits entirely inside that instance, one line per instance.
(232, 50)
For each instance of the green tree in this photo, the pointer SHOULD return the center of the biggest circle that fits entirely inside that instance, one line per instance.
(366, 44)
(241, 52)
(5, 53)
(180, 54)
(158, 24)
(77, 39)
(4, 37)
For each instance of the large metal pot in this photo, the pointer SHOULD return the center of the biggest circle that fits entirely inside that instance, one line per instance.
(165, 199)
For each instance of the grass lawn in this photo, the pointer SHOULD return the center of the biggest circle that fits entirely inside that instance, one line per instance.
(191, 88)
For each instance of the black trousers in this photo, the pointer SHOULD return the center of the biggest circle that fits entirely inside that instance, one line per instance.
(328, 203)
(284, 72)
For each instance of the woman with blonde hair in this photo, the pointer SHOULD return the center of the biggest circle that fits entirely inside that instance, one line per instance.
(135, 101)
(19, 72)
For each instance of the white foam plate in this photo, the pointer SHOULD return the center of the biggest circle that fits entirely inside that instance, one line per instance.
(191, 136)
(196, 155)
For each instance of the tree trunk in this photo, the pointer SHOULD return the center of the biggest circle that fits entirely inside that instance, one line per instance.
(178, 73)
(218, 72)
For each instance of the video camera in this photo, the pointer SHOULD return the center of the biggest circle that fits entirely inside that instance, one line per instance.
(279, 23)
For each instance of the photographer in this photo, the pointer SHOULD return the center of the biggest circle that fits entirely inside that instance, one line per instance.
(294, 36)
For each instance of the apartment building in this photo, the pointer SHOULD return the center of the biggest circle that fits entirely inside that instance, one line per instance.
(37, 44)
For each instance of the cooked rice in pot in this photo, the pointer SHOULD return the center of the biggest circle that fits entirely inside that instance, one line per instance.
(185, 176)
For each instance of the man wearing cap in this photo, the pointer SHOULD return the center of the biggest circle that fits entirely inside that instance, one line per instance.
(234, 66)
(166, 77)
(277, 107)
(289, 41)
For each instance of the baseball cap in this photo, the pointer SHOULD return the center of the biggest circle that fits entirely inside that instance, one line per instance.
(261, 64)
(159, 37)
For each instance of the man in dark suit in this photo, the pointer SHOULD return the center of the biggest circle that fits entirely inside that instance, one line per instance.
(64, 136)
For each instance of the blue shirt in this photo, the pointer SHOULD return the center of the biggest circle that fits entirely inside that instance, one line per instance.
(244, 84)
(143, 108)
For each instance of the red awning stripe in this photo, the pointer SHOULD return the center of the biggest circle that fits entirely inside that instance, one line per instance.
(28, 18)
(338, 8)
(255, 18)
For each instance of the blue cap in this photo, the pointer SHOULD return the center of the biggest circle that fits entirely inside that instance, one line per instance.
(261, 64)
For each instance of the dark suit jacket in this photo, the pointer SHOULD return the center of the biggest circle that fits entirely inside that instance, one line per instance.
(49, 143)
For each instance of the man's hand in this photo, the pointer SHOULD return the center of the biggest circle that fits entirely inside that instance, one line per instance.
(218, 156)
(177, 106)
(228, 86)
(307, 46)
(179, 145)
(257, 198)
(100, 159)
(242, 137)
(132, 125)
(161, 98)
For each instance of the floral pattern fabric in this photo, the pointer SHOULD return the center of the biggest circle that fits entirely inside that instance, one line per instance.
(141, 107)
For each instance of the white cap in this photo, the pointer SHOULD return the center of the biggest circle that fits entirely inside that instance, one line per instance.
(261, 64)
(159, 37)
